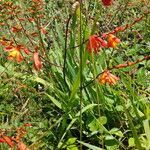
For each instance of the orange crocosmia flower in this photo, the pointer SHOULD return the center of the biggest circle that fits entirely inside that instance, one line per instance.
(43, 30)
(22, 19)
(95, 43)
(2, 140)
(37, 1)
(31, 19)
(37, 61)
(16, 29)
(28, 125)
(107, 77)
(121, 66)
(107, 2)
(112, 41)
(26, 50)
(9, 141)
(14, 53)
(2, 42)
(21, 146)
(120, 29)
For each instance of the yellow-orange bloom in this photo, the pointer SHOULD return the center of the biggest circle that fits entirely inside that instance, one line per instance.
(107, 77)
(112, 41)
(14, 53)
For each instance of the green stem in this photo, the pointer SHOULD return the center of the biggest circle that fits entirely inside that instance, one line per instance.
(65, 51)
(97, 89)
(133, 129)
(81, 75)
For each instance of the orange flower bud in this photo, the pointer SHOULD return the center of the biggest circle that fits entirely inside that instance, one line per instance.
(26, 50)
(28, 125)
(16, 29)
(120, 66)
(43, 30)
(37, 61)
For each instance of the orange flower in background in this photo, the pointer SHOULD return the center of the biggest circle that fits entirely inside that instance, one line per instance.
(120, 28)
(26, 50)
(27, 125)
(107, 2)
(16, 28)
(107, 77)
(5, 42)
(37, 61)
(8, 140)
(2, 140)
(31, 19)
(37, 1)
(22, 19)
(95, 43)
(21, 146)
(43, 30)
(14, 53)
(112, 41)
(15, 141)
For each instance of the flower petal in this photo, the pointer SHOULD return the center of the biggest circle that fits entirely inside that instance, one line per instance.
(107, 77)
(107, 2)
(37, 61)
(95, 43)
(8, 141)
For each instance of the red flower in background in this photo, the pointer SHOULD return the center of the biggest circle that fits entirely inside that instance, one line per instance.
(107, 2)
(37, 61)
(95, 43)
